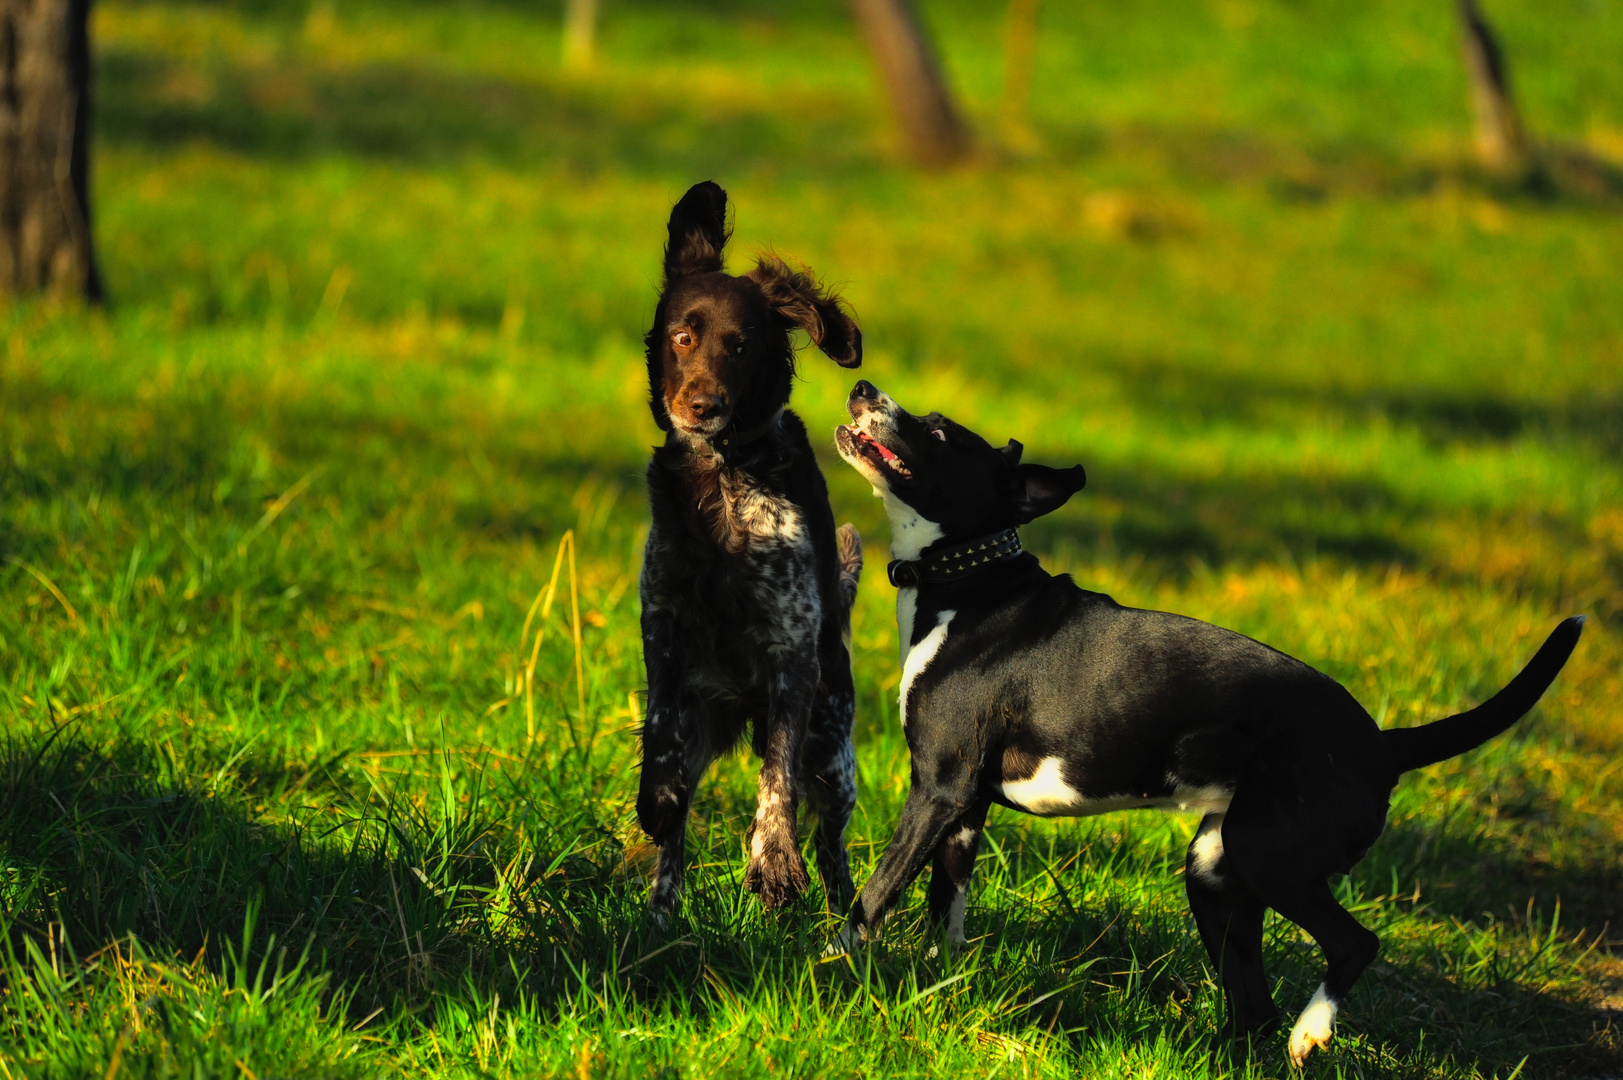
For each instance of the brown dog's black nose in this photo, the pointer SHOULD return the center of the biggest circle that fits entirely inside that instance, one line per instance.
(865, 390)
(704, 406)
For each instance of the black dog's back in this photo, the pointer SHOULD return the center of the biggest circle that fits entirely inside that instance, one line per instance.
(1168, 703)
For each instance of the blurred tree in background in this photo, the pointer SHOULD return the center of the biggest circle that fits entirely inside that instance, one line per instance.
(580, 34)
(44, 148)
(1020, 57)
(931, 124)
(1501, 141)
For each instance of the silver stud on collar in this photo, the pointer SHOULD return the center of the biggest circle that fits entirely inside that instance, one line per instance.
(959, 559)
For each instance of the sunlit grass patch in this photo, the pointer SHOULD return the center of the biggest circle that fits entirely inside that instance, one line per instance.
(271, 526)
(122, 1010)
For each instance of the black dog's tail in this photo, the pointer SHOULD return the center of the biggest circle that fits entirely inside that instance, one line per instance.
(1442, 739)
(850, 543)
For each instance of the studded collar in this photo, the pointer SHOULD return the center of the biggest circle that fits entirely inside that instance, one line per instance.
(957, 560)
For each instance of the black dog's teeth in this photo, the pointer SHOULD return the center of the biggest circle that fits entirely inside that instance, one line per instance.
(879, 455)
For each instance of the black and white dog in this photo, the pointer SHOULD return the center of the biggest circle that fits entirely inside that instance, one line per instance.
(746, 588)
(1021, 689)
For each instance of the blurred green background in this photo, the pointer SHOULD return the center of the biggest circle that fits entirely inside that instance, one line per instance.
(378, 276)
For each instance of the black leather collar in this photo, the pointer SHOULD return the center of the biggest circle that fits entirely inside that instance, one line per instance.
(730, 440)
(957, 561)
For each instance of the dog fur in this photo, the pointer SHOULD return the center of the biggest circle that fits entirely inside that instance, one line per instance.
(746, 587)
(1021, 689)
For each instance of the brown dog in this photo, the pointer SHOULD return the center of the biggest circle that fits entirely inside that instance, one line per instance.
(746, 590)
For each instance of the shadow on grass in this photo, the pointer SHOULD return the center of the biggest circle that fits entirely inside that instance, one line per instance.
(1466, 868)
(404, 906)
(1483, 416)
(423, 116)
(200, 449)
(203, 449)
(1486, 991)
(296, 11)
(1300, 171)
(109, 841)
(1216, 520)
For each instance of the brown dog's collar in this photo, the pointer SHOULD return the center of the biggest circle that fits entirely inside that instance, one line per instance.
(729, 440)
(959, 560)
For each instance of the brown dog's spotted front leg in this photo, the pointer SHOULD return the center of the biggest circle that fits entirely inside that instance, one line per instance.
(675, 756)
(675, 752)
(776, 870)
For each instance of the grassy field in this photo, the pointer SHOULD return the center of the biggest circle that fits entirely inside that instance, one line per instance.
(280, 792)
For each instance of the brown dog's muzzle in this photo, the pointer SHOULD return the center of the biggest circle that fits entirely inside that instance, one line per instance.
(701, 409)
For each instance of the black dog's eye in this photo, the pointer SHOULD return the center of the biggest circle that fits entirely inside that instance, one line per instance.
(739, 348)
(939, 434)
(683, 339)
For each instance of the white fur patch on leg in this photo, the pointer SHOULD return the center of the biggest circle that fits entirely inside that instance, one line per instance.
(1208, 849)
(846, 944)
(955, 918)
(1314, 1027)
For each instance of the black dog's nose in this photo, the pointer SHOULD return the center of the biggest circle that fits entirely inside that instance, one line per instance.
(705, 406)
(866, 390)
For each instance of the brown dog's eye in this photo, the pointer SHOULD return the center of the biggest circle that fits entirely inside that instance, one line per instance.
(683, 339)
(938, 433)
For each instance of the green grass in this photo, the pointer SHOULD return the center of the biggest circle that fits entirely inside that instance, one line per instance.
(271, 525)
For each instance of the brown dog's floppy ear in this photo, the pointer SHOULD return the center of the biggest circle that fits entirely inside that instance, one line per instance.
(1039, 490)
(800, 301)
(698, 232)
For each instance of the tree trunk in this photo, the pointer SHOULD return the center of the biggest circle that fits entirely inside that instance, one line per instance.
(45, 149)
(1500, 140)
(1020, 55)
(930, 124)
(580, 34)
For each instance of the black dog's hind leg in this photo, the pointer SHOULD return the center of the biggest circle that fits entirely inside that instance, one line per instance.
(1285, 842)
(950, 873)
(1229, 918)
(829, 779)
(1348, 946)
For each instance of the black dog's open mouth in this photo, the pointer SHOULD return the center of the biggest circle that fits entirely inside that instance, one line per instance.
(876, 452)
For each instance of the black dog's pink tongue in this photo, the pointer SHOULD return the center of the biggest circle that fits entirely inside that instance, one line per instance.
(884, 453)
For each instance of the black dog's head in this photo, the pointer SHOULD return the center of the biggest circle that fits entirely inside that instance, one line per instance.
(719, 352)
(944, 473)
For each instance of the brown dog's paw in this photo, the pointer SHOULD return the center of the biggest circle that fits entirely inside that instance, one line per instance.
(778, 876)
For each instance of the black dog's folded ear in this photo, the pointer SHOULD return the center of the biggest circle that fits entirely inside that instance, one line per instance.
(800, 301)
(698, 231)
(1039, 490)
(1012, 451)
